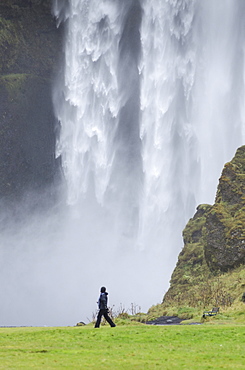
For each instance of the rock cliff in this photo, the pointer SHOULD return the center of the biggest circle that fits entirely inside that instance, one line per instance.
(30, 45)
(224, 242)
(214, 240)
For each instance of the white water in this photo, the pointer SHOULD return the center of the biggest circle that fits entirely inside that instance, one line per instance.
(150, 104)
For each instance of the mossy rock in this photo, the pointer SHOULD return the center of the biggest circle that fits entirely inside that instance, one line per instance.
(29, 38)
(9, 43)
(224, 240)
(191, 265)
(214, 244)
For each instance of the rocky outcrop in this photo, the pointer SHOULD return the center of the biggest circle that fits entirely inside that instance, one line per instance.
(191, 267)
(225, 233)
(30, 45)
(214, 239)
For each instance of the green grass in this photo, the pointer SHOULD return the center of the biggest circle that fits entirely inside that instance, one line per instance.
(124, 347)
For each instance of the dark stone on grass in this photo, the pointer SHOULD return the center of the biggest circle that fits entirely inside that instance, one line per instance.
(81, 323)
(165, 320)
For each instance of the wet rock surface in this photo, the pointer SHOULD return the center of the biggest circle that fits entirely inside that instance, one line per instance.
(165, 320)
(30, 46)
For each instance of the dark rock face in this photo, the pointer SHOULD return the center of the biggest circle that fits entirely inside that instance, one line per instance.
(224, 246)
(215, 238)
(26, 133)
(29, 39)
(225, 235)
(30, 45)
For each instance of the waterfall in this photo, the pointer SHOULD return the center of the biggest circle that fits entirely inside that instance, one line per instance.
(150, 105)
(99, 115)
(150, 109)
(170, 153)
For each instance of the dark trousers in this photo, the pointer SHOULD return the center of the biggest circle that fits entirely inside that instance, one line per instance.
(106, 316)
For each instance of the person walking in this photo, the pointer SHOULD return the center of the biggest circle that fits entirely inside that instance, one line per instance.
(103, 310)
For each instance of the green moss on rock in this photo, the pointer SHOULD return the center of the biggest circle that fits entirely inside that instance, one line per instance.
(14, 84)
(9, 43)
(191, 265)
(29, 39)
(225, 235)
(214, 244)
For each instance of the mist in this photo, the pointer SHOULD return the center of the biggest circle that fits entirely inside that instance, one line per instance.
(53, 264)
(150, 105)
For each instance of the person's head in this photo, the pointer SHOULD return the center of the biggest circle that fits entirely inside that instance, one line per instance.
(103, 289)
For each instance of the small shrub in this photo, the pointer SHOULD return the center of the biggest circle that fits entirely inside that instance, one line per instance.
(186, 313)
(123, 315)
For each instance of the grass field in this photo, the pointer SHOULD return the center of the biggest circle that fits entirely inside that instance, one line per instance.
(124, 347)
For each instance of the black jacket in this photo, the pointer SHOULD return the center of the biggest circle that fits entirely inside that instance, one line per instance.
(103, 301)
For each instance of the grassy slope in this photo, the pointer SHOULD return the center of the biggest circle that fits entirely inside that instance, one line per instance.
(130, 347)
(224, 291)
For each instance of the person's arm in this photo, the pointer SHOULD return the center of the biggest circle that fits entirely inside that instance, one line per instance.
(98, 302)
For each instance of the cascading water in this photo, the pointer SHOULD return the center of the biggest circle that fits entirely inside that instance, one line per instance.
(99, 115)
(146, 103)
(168, 136)
(150, 105)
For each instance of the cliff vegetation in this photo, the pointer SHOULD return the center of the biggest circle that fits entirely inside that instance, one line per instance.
(210, 271)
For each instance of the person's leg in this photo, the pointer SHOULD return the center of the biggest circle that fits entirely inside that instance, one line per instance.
(97, 324)
(108, 319)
